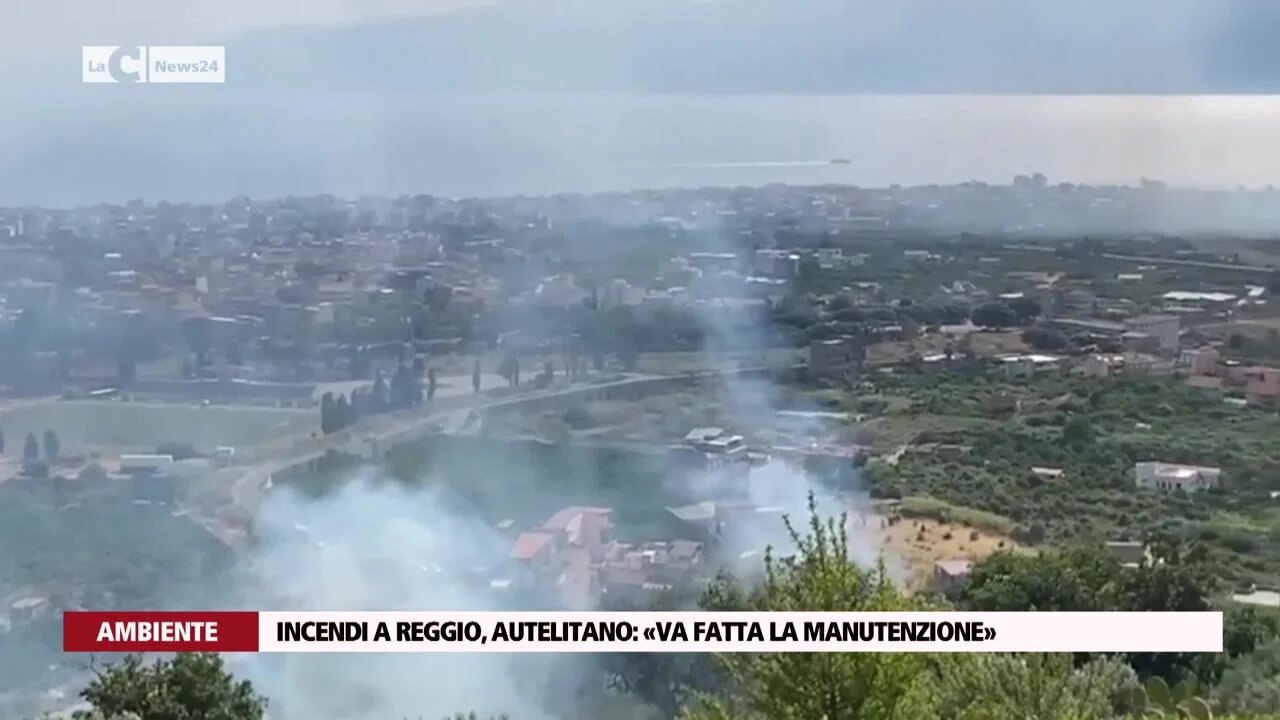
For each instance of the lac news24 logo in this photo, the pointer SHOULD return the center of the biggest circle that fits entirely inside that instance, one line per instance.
(130, 64)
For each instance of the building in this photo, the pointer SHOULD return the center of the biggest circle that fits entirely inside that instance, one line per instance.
(1169, 476)
(698, 521)
(29, 609)
(949, 574)
(1129, 554)
(1140, 342)
(1206, 370)
(715, 441)
(588, 528)
(1166, 329)
(563, 556)
(1115, 365)
(1261, 384)
(1024, 365)
(836, 359)
(619, 292)
(636, 571)
(776, 263)
(1048, 474)
(1200, 361)
(573, 557)
(535, 549)
(713, 463)
(1259, 597)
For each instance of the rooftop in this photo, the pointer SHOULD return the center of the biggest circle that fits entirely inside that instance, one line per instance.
(1265, 598)
(954, 568)
(529, 544)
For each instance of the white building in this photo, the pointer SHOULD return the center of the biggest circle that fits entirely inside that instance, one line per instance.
(1169, 476)
(619, 292)
(776, 263)
(1165, 328)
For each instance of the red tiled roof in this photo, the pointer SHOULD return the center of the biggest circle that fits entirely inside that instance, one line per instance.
(530, 544)
(562, 519)
(583, 526)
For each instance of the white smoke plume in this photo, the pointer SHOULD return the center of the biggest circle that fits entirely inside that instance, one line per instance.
(378, 546)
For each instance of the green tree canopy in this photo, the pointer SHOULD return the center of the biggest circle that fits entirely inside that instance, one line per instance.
(190, 686)
(821, 576)
(1031, 687)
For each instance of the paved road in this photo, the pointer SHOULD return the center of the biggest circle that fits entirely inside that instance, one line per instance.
(1147, 260)
(386, 430)
(19, 403)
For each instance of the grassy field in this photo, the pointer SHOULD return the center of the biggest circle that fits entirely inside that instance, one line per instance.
(92, 546)
(85, 425)
(916, 532)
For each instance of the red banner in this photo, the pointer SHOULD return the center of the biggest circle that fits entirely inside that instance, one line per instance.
(110, 632)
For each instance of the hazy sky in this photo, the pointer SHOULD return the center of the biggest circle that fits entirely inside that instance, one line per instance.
(320, 96)
(28, 26)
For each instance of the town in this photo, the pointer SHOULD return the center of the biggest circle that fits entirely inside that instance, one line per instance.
(700, 367)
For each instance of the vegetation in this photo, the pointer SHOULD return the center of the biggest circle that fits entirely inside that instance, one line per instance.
(103, 551)
(1094, 432)
(190, 686)
(1087, 578)
(767, 686)
(841, 686)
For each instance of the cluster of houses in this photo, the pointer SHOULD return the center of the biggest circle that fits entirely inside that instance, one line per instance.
(1206, 369)
(575, 558)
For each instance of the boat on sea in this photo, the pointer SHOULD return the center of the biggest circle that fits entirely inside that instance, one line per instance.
(841, 161)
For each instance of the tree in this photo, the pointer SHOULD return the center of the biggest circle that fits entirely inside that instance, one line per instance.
(1077, 432)
(835, 686)
(1030, 687)
(994, 315)
(31, 448)
(1042, 338)
(327, 417)
(666, 681)
(1251, 683)
(1026, 309)
(544, 378)
(1091, 579)
(509, 369)
(126, 369)
(628, 356)
(52, 447)
(381, 394)
(344, 413)
(404, 391)
(190, 686)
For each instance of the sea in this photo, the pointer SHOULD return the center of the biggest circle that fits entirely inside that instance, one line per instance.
(209, 143)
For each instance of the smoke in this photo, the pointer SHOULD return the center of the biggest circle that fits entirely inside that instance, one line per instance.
(379, 546)
(779, 491)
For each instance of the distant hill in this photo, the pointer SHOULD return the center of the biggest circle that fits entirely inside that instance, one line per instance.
(814, 46)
